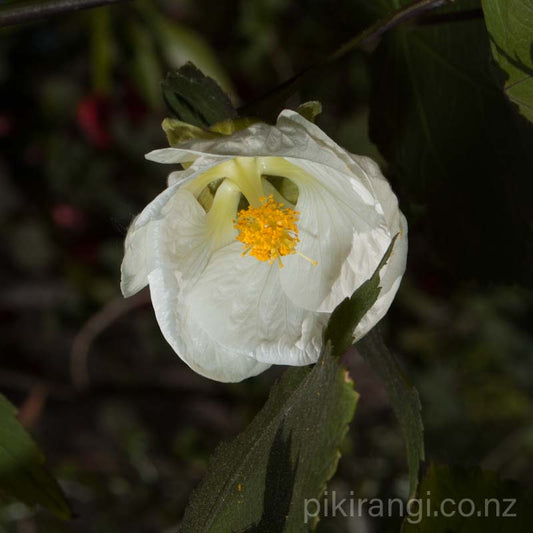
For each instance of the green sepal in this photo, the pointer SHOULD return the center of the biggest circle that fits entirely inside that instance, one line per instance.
(178, 132)
(228, 127)
(310, 110)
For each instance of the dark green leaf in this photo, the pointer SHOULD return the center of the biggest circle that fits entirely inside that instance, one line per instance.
(279, 484)
(260, 480)
(403, 397)
(496, 506)
(196, 99)
(23, 475)
(439, 117)
(350, 311)
(510, 25)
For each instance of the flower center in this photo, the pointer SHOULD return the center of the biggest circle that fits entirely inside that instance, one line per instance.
(269, 231)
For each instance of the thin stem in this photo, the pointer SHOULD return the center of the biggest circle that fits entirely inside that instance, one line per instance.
(375, 31)
(38, 10)
(96, 324)
(276, 97)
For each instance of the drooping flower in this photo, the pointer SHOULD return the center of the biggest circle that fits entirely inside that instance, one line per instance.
(253, 245)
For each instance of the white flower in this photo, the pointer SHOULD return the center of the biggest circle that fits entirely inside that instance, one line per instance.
(222, 298)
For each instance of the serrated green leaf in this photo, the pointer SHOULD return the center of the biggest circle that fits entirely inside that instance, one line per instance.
(403, 398)
(310, 110)
(23, 475)
(495, 506)
(510, 26)
(195, 98)
(260, 480)
(350, 311)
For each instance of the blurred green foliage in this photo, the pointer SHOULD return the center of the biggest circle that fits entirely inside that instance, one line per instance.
(79, 107)
(23, 473)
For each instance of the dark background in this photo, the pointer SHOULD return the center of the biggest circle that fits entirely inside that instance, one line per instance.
(126, 426)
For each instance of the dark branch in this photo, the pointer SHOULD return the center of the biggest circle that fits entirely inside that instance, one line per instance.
(373, 34)
(39, 10)
(364, 40)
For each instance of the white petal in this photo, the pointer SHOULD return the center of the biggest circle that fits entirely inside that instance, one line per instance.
(171, 230)
(138, 258)
(239, 302)
(181, 251)
(136, 263)
(258, 140)
(292, 136)
(381, 189)
(364, 168)
(342, 229)
(192, 343)
(196, 167)
(171, 156)
(392, 272)
(182, 243)
(169, 245)
(390, 278)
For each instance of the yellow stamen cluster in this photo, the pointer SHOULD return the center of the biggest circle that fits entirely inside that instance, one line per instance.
(268, 232)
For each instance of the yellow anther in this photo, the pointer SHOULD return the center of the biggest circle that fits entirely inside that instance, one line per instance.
(269, 231)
